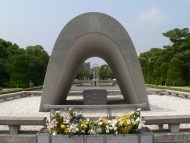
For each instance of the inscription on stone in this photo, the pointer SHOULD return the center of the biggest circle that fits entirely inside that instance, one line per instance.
(95, 97)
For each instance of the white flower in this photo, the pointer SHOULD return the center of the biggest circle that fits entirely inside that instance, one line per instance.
(133, 122)
(54, 133)
(128, 121)
(107, 131)
(138, 109)
(107, 127)
(99, 130)
(138, 119)
(115, 128)
(132, 112)
(114, 121)
(100, 123)
(110, 128)
(57, 112)
(92, 132)
(49, 128)
(140, 125)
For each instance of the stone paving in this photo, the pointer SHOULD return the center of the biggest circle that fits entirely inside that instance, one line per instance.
(160, 105)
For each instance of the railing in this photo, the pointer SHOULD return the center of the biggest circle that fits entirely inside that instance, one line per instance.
(173, 121)
(15, 123)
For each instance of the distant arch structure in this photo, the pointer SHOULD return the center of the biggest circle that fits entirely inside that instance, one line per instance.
(93, 35)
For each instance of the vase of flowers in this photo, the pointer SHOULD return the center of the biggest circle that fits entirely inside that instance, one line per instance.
(72, 127)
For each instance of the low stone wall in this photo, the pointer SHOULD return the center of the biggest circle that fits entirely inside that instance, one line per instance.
(172, 133)
(146, 136)
(15, 135)
(21, 138)
(15, 122)
(159, 136)
(169, 92)
(16, 95)
(173, 121)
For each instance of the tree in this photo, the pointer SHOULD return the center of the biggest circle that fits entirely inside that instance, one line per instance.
(4, 73)
(185, 58)
(6, 53)
(18, 66)
(159, 65)
(105, 72)
(164, 68)
(82, 73)
(177, 35)
(20, 69)
(30, 65)
(175, 73)
(38, 61)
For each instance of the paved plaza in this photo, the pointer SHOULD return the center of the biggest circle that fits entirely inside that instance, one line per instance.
(160, 105)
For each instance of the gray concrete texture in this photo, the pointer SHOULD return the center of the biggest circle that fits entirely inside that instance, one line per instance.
(95, 97)
(19, 138)
(93, 35)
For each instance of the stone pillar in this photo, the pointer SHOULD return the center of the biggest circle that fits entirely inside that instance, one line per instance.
(174, 128)
(14, 129)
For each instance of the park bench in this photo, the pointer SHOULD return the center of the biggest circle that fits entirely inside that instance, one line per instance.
(15, 123)
(173, 121)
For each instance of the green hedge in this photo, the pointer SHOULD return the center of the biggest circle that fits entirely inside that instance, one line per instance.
(167, 87)
(19, 90)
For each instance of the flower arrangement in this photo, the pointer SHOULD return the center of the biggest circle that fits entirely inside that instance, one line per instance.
(71, 123)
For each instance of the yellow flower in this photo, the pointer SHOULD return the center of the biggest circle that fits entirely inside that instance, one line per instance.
(85, 124)
(121, 121)
(62, 126)
(126, 128)
(126, 116)
(66, 130)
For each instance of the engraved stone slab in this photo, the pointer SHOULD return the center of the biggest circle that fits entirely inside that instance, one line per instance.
(95, 97)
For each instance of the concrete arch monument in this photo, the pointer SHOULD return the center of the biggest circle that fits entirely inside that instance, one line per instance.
(89, 35)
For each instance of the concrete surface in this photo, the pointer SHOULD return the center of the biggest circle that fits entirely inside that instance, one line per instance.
(19, 138)
(95, 97)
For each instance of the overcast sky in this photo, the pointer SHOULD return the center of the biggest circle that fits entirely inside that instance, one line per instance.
(40, 21)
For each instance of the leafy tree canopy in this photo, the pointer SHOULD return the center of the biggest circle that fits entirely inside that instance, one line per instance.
(169, 65)
(18, 66)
